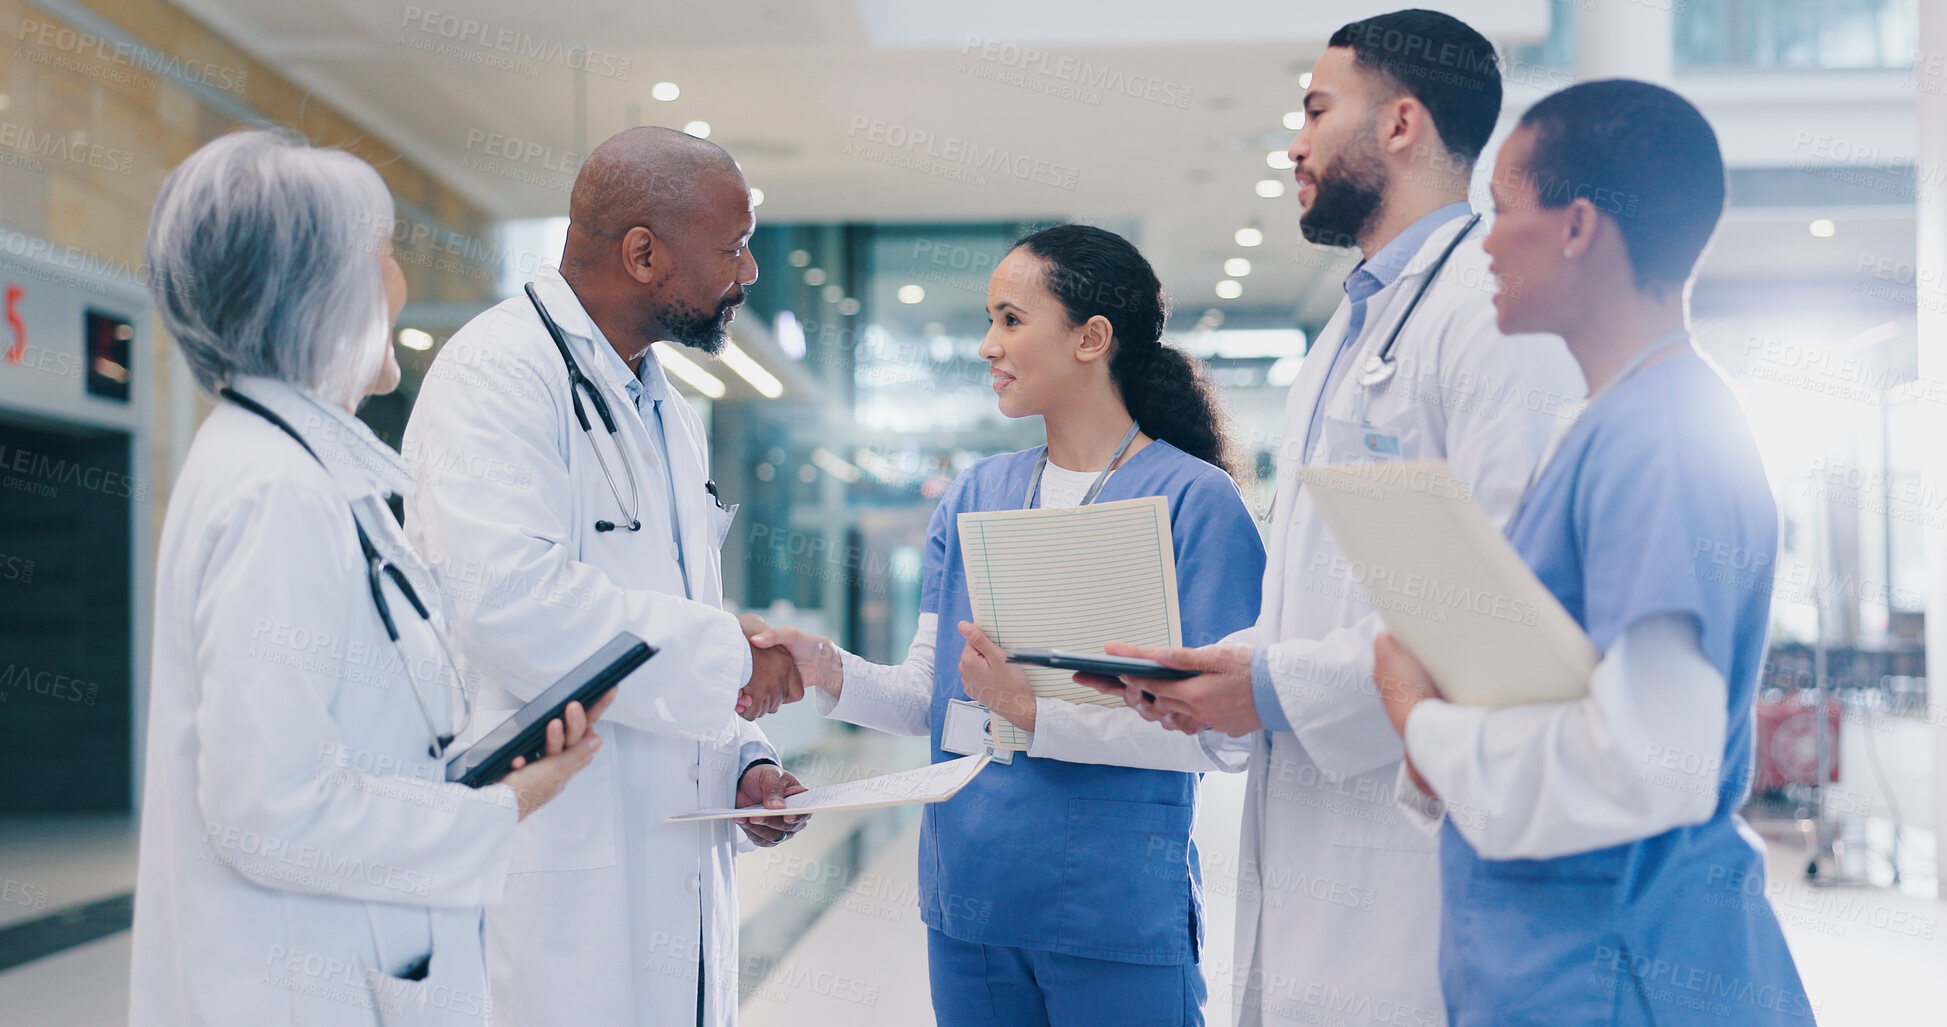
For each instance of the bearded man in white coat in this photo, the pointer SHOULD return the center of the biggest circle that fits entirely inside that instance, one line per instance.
(1338, 894)
(561, 509)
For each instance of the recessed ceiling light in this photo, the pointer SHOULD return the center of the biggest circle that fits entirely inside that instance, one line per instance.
(1270, 188)
(833, 293)
(699, 129)
(1237, 267)
(665, 91)
(1294, 120)
(1305, 80)
(1279, 160)
(1249, 237)
(1823, 228)
(413, 338)
(814, 276)
(756, 197)
(1229, 289)
(911, 294)
(799, 258)
(848, 306)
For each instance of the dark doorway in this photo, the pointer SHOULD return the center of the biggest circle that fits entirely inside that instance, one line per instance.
(66, 622)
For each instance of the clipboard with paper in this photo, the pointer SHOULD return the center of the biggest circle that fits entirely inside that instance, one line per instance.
(1072, 578)
(1449, 585)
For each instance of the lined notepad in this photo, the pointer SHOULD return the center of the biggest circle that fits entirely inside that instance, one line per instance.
(1071, 578)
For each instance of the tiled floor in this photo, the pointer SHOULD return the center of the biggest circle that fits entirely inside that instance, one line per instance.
(1869, 955)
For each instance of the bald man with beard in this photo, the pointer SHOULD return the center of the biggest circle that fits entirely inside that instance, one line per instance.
(553, 532)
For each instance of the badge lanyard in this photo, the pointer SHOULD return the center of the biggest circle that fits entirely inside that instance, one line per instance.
(1095, 489)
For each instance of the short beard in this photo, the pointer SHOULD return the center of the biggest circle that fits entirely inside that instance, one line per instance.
(1346, 200)
(694, 328)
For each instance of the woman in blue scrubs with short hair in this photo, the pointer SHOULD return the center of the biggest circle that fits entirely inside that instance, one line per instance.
(1062, 888)
(1602, 874)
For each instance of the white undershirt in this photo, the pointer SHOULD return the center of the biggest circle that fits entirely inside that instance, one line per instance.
(1062, 488)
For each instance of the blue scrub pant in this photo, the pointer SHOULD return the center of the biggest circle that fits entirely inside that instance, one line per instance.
(976, 985)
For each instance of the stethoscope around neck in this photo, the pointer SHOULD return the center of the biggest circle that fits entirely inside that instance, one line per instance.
(377, 569)
(577, 383)
(1379, 367)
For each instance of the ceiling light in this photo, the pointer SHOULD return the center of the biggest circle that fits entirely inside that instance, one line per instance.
(756, 197)
(699, 129)
(1279, 160)
(799, 258)
(814, 276)
(1270, 188)
(911, 294)
(1823, 228)
(1229, 289)
(833, 464)
(751, 371)
(848, 306)
(413, 338)
(790, 335)
(688, 372)
(1249, 237)
(1305, 80)
(1237, 267)
(1294, 120)
(665, 91)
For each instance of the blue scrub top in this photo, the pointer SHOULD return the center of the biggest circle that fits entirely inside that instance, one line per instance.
(1087, 860)
(1655, 503)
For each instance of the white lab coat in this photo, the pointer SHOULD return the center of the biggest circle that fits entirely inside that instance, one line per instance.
(296, 833)
(609, 910)
(1338, 893)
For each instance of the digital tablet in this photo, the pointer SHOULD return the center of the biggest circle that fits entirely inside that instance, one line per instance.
(526, 732)
(1096, 663)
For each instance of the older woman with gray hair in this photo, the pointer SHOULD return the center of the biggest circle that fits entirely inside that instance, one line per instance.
(303, 858)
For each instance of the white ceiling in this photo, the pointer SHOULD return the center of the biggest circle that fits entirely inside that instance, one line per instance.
(792, 88)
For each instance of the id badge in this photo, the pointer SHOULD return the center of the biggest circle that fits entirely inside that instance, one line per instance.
(966, 732)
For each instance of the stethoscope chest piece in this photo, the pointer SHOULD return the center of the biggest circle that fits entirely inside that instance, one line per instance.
(1377, 371)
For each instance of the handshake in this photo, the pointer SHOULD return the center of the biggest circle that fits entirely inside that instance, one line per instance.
(784, 662)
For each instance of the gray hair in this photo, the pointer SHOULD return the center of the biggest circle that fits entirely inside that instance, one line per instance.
(262, 259)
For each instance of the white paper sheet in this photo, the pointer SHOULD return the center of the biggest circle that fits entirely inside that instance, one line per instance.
(1071, 578)
(935, 783)
(1448, 585)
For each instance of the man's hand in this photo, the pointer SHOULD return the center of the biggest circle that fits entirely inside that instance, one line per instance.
(993, 682)
(774, 681)
(1403, 683)
(1219, 698)
(766, 785)
(815, 656)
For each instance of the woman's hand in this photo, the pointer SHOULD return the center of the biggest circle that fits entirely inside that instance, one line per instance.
(993, 682)
(570, 746)
(1403, 683)
(816, 658)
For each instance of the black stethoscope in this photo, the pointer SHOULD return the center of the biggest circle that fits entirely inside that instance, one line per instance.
(577, 382)
(377, 569)
(1380, 366)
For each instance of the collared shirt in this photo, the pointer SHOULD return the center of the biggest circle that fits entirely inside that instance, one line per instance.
(647, 383)
(1377, 272)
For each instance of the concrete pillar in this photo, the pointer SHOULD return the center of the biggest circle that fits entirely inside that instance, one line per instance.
(1930, 216)
(1624, 40)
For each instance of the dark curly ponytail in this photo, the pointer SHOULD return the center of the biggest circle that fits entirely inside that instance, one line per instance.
(1093, 271)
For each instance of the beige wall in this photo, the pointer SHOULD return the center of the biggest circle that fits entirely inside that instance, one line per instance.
(89, 129)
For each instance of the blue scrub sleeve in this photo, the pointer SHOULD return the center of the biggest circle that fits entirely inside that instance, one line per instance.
(1219, 561)
(1653, 509)
(1264, 694)
(933, 567)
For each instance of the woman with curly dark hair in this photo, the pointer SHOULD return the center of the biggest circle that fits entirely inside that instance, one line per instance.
(1063, 888)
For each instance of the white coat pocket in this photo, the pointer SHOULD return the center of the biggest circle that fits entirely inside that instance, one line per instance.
(720, 521)
(576, 829)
